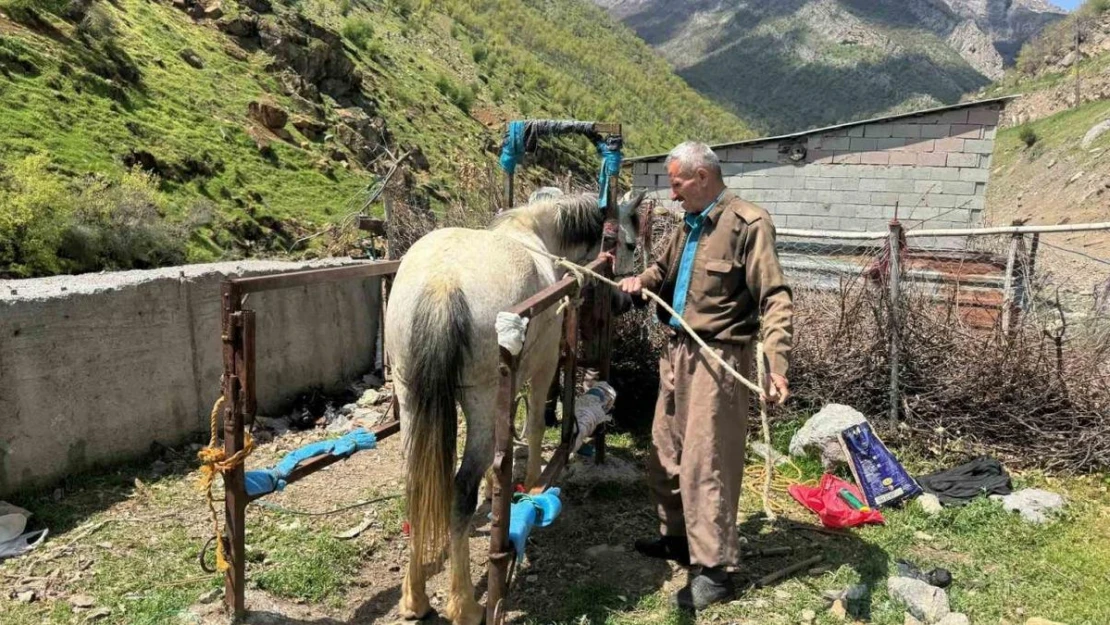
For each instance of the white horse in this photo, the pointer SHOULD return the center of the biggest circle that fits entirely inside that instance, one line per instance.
(440, 334)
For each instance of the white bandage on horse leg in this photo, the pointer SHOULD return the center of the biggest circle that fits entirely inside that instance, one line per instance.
(511, 331)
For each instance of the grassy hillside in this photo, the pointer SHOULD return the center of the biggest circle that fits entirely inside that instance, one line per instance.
(125, 139)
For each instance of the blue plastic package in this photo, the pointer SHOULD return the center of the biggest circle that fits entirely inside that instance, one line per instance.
(878, 473)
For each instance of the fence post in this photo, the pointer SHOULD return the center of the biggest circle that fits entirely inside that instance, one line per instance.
(1008, 289)
(895, 245)
(235, 497)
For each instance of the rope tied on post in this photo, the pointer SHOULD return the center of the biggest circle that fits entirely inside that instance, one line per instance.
(215, 460)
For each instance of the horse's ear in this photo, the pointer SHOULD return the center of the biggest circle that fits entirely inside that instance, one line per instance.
(629, 205)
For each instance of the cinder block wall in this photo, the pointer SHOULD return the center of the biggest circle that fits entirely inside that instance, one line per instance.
(95, 368)
(934, 167)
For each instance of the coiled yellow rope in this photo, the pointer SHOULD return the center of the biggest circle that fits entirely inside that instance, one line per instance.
(215, 460)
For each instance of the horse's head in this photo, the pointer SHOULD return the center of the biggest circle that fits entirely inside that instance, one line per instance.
(629, 225)
(572, 226)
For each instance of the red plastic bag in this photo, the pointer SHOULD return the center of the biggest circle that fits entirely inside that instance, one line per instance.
(830, 508)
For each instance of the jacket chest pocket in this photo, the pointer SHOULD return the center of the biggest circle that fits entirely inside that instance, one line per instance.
(719, 277)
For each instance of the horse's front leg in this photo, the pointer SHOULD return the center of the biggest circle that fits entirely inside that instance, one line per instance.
(537, 405)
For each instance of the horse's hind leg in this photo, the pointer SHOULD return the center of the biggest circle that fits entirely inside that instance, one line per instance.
(480, 406)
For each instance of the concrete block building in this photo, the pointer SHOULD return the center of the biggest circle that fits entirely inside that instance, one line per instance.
(929, 167)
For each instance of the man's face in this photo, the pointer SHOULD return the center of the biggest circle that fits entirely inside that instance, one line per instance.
(690, 187)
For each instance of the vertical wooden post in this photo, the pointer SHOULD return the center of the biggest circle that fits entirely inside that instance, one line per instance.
(246, 367)
(895, 320)
(500, 550)
(235, 496)
(1008, 288)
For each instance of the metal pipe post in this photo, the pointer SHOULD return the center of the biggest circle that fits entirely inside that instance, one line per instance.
(500, 549)
(235, 496)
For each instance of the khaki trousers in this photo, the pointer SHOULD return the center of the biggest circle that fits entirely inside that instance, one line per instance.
(698, 435)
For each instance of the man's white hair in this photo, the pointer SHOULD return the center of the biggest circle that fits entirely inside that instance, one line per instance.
(691, 155)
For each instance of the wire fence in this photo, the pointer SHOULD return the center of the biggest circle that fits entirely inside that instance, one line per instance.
(976, 341)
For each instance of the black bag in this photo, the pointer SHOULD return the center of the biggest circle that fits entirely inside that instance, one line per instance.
(959, 485)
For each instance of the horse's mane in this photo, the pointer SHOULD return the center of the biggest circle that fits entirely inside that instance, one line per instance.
(578, 220)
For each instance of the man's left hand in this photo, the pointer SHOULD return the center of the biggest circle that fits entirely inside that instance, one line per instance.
(778, 389)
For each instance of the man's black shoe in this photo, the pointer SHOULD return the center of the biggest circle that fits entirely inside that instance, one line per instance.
(709, 586)
(666, 548)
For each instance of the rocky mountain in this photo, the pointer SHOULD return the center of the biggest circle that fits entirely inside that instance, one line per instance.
(790, 64)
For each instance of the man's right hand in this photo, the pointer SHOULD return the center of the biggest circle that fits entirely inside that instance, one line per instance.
(632, 285)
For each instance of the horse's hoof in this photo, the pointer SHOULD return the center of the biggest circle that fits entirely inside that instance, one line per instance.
(468, 613)
(416, 613)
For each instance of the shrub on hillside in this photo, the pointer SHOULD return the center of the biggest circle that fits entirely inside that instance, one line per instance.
(1028, 136)
(1095, 7)
(35, 209)
(359, 31)
(121, 225)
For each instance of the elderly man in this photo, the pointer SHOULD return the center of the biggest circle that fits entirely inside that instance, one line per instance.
(722, 275)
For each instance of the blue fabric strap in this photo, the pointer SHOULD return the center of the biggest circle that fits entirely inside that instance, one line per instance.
(610, 152)
(265, 481)
(513, 149)
(686, 265)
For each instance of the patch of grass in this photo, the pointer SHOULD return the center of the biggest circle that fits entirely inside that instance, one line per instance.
(1059, 134)
(359, 31)
(310, 567)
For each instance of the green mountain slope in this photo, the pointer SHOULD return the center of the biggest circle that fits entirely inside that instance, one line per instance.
(788, 65)
(127, 137)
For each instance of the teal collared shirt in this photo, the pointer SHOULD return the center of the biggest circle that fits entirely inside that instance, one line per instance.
(686, 265)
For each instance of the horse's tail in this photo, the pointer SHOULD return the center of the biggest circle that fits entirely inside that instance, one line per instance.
(438, 344)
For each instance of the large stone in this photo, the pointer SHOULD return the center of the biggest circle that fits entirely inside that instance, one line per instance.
(929, 504)
(1035, 505)
(242, 25)
(192, 58)
(262, 6)
(1094, 133)
(822, 432)
(925, 602)
(268, 114)
(954, 618)
(309, 127)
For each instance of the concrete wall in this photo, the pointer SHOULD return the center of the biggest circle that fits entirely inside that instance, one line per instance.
(95, 368)
(934, 166)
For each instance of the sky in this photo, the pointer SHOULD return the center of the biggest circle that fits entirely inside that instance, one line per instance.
(1067, 4)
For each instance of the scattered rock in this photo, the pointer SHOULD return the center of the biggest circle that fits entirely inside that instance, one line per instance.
(910, 619)
(925, 602)
(268, 114)
(27, 596)
(244, 25)
(214, 11)
(262, 6)
(1050, 164)
(1034, 504)
(1068, 59)
(781, 594)
(1074, 178)
(1094, 133)
(532, 579)
(839, 609)
(311, 129)
(954, 618)
(98, 614)
(929, 504)
(923, 536)
(808, 616)
(1040, 621)
(82, 601)
(822, 431)
(192, 58)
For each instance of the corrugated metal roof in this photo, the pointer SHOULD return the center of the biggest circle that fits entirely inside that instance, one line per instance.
(812, 131)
